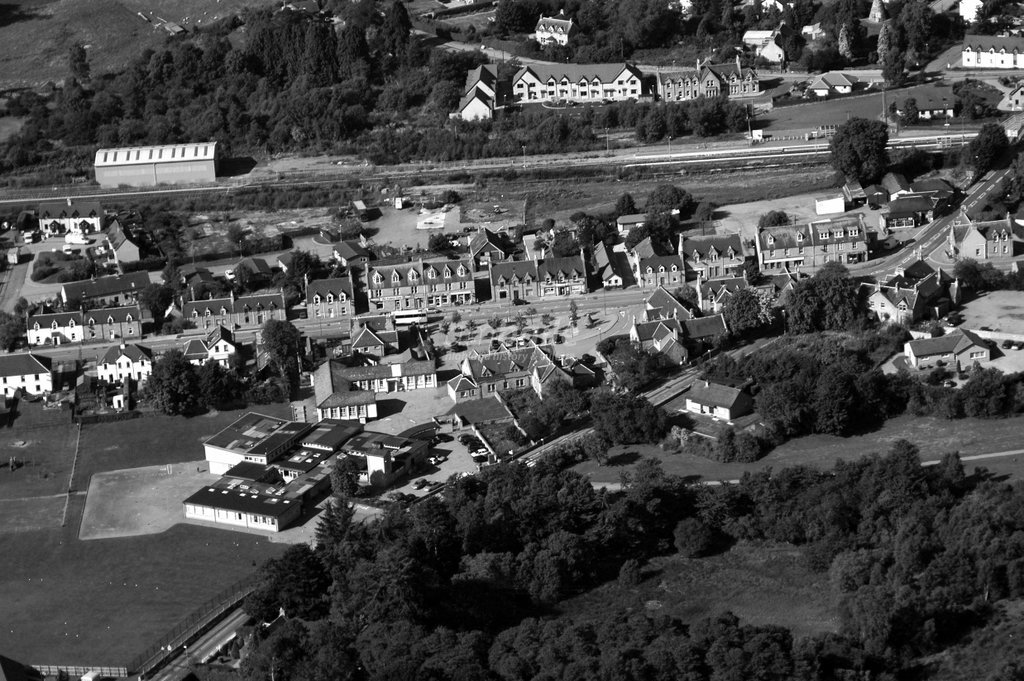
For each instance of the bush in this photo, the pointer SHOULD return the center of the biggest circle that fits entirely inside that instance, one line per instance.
(693, 538)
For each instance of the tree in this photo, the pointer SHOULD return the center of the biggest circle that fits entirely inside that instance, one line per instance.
(985, 149)
(773, 218)
(828, 301)
(345, 478)
(626, 205)
(456, 317)
(859, 149)
(666, 198)
(218, 387)
(281, 341)
(910, 113)
(564, 244)
(495, 322)
(78, 62)
(748, 310)
(12, 330)
(439, 243)
(395, 32)
(845, 42)
(705, 211)
(693, 538)
(574, 314)
(626, 418)
(174, 386)
(157, 298)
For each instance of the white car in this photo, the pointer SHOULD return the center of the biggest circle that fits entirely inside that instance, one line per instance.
(79, 239)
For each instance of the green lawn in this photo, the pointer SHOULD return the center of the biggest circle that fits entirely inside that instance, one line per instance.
(44, 457)
(102, 602)
(760, 584)
(933, 436)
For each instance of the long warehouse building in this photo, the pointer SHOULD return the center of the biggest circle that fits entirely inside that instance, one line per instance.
(192, 163)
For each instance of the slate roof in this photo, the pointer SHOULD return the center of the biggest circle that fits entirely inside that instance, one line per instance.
(567, 266)
(485, 239)
(46, 320)
(219, 333)
(196, 349)
(117, 236)
(485, 74)
(331, 388)
(956, 342)
(24, 364)
(135, 353)
(895, 182)
(400, 274)
(705, 327)
(657, 329)
(336, 286)
(366, 338)
(705, 245)
(717, 288)
(113, 315)
(514, 269)
(61, 209)
(350, 250)
(133, 282)
(263, 301)
(481, 411)
(984, 43)
(909, 204)
(606, 73)
(257, 266)
(715, 394)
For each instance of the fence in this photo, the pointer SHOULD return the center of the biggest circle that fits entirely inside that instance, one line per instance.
(185, 630)
(61, 671)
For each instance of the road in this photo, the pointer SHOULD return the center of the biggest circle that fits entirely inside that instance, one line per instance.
(179, 666)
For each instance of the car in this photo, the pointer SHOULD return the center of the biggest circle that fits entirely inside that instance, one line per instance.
(464, 438)
(1018, 345)
(420, 484)
(559, 339)
(984, 328)
(457, 347)
(480, 452)
(520, 301)
(443, 437)
(1007, 344)
(948, 384)
(434, 460)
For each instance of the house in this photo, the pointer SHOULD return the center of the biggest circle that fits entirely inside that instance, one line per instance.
(487, 246)
(854, 193)
(992, 52)
(932, 102)
(484, 375)
(712, 257)
(481, 94)
(801, 247)
(713, 295)
(536, 279)
(651, 269)
(912, 293)
(875, 195)
(624, 223)
(663, 305)
(241, 312)
(661, 336)
(766, 43)
(554, 30)
(708, 80)
(337, 397)
(351, 254)
(721, 402)
(54, 328)
(26, 372)
(982, 240)
(117, 289)
(384, 458)
(373, 335)
(907, 211)
(475, 105)
(968, 9)
(330, 298)
(70, 217)
(958, 350)
(895, 184)
(406, 285)
(121, 246)
(813, 32)
(832, 83)
(469, 412)
(825, 205)
(125, 362)
(253, 267)
(1016, 97)
(577, 82)
(937, 189)
(385, 378)
(219, 346)
(612, 267)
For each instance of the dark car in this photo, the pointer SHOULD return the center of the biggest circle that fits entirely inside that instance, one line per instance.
(442, 437)
(1007, 344)
(457, 347)
(559, 339)
(519, 301)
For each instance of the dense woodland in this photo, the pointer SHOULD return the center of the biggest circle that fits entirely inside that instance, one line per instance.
(468, 586)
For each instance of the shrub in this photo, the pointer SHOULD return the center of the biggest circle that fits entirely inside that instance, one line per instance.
(693, 538)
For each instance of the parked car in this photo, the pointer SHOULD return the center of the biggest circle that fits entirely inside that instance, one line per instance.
(420, 484)
(442, 437)
(948, 384)
(520, 301)
(1018, 345)
(457, 347)
(1007, 344)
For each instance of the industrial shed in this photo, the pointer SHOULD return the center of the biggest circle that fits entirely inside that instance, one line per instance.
(192, 163)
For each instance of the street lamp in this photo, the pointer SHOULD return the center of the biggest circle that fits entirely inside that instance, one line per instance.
(524, 155)
(670, 145)
(607, 144)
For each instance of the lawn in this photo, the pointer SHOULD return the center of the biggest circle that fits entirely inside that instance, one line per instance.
(933, 436)
(58, 267)
(44, 460)
(152, 441)
(760, 584)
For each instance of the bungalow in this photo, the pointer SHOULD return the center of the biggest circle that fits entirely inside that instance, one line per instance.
(624, 223)
(125, 362)
(26, 372)
(895, 185)
(351, 254)
(720, 401)
(958, 350)
(907, 211)
(831, 83)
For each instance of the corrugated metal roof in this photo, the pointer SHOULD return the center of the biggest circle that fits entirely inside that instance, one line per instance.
(167, 153)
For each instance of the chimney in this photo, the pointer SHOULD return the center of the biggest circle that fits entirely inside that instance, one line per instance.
(122, 345)
(69, 200)
(739, 69)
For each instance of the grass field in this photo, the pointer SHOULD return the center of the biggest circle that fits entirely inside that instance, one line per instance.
(45, 456)
(101, 602)
(760, 584)
(933, 436)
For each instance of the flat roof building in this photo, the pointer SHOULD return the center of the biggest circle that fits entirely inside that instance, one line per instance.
(191, 163)
(254, 438)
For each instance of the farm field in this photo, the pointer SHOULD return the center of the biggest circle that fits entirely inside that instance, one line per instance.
(760, 584)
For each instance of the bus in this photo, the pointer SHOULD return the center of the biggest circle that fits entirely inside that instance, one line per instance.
(407, 317)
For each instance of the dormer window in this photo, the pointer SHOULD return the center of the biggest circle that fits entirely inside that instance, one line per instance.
(431, 273)
(853, 231)
(110, 319)
(54, 325)
(395, 277)
(770, 239)
(447, 273)
(71, 323)
(696, 256)
(823, 236)
(330, 298)
(377, 278)
(316, 299)
(462, 271)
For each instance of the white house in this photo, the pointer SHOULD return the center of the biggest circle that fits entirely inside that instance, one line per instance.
(969, 10)
(27, 372)
(577, 82)
(554, 30)
(219, 346)
(125, 362)
(722, 402)
(70, 217)
(993, 52)
(54, 329)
